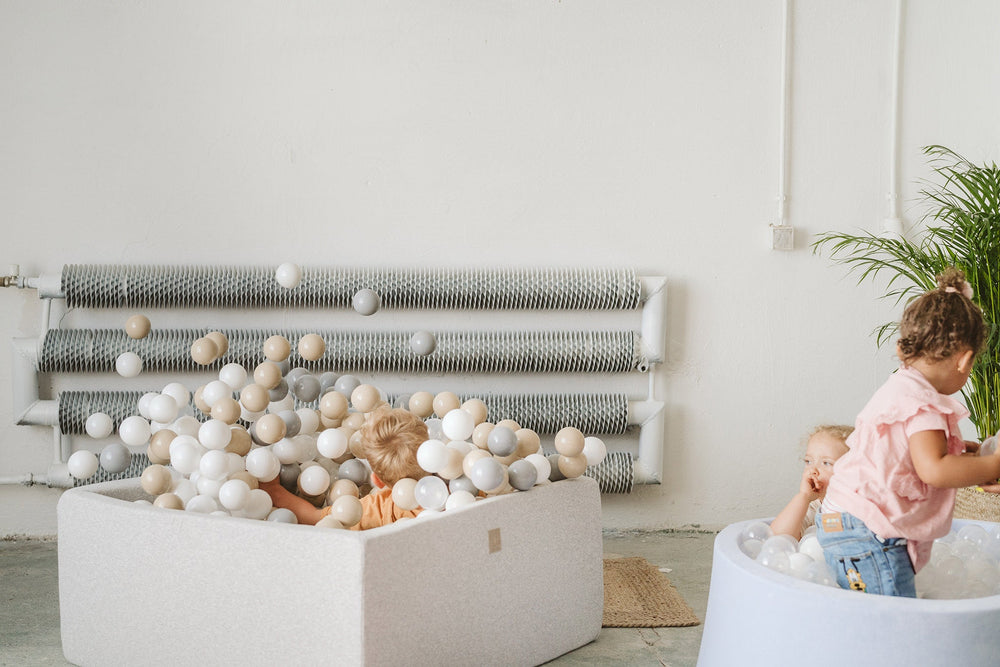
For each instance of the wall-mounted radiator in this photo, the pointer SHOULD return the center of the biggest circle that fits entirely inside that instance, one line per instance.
(486, 351)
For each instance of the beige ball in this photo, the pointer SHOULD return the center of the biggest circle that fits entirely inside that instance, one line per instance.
(270, 429)
(329, 522)
(445, 402)
(572, 466)
(333, 405)
(312, 347)
(347, 510)
(220, 340)
(204, 351)
(528, 442)
(511, 424)
(569, 441)
(477, 408)
(156, 480)
(365, 397)
(137, 326)
(277, 348)
(254, 397)
(402, 494)
(354, 421)
(422, 404)
(240, 441)
(170, 501)
(267, 374)
(226, 409)
(342, 487)
(481, 434)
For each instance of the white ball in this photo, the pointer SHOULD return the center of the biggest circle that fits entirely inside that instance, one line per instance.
(458, 425)
(431, 492)
(99, 425)
(128, 364)
(309, 420)
(541, 464)
(809, 545)
(179, 393)
(185, 490)
(186, 425)
(214, 434)
(258, 506)
(314, 480)
(332, 443)
(215, 390)
(233, 375)
(234, 494)
(143, 405)
(201, 504)
(82, 464)
(163, 408)
(282, 515)
(288, 275)
(209, 487)
(185, 455)
(595, 450)
(263, 464)
(460, 498)
(214, 464)
(134, 431)
(432, 456)
(287, 450)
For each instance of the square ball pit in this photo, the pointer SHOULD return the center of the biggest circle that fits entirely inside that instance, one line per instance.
(510, 580)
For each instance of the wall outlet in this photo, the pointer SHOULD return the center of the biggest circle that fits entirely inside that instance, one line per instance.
(782, 237)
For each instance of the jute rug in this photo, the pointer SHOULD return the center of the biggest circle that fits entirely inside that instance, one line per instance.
(638, 595)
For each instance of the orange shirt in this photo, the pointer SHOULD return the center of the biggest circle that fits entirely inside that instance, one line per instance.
(377, 509)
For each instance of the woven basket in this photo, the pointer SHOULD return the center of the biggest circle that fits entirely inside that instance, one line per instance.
(972, 503)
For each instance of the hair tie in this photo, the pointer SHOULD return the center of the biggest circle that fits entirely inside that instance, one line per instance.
(966, 290)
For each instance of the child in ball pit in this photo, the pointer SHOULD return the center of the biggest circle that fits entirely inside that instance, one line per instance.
(893, 493)
(390, 438)
(825, 445)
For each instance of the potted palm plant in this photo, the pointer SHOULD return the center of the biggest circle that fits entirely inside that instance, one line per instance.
(961, 228)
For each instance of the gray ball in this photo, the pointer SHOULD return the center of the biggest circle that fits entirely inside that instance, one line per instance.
(522, 474)
(293, 423)
(115, 458)
(354, 470)
(306, 388)
(423, 343)
(366, 301)
(502, 441)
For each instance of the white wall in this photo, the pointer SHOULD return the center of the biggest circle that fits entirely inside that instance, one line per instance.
(567, 133)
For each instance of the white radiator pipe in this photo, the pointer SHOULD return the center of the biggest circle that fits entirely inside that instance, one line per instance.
(892, 224)
(29, 410)
(648, 466)
(652, 331)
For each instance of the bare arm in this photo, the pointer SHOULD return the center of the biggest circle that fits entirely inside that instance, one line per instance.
(935, 466)
(789, 520)
(303, 510)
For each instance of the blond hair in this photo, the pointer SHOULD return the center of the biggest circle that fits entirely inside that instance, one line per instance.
(838, 431)
(390, 438)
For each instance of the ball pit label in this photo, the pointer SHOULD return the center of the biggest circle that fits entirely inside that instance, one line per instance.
(494, 540)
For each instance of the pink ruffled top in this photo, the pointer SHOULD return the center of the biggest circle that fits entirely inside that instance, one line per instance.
(876, 481)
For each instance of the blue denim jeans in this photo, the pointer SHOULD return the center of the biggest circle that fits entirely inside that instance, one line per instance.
(862, 561)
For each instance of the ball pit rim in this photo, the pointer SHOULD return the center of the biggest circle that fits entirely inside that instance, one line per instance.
(727, 546)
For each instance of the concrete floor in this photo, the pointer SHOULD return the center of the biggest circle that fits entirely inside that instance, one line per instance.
(29, 603)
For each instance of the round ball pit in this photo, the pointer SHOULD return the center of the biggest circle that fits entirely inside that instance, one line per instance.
(758, 616)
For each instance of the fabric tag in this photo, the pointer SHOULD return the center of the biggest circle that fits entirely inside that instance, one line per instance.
(832, 523)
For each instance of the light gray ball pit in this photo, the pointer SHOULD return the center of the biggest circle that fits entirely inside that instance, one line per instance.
(758, 616)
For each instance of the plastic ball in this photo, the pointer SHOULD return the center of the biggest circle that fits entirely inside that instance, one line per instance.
(365, 397)
(99, 425)
(422, 404)
(267, 374)
(115, 458)
(432, 455)
(346, 384)
(431, 492)
(471, 458)
(354, 470)
(572, 466)
(462, 483)
(234, 494)
(201, 504)
(775, 560)
(305, 388)
(311, 347)
(333, 405)
(366, 301)
(487, 474)
(287, 450)
(757, 531)
(453, 464)
(82, 464)
(458, 425)
(445, 402)
(347, 510)
(282, 515)
(221, 342)
(270, 428)
(502, 441)
(809, 545)
(329, 522)
(541, 464)
(185, 454)
(277, 348)
(263, 464)
(314, 480)
(156, 480)
(477, 408)
(459, 499)
(258, 506)
(215, 390)
(128, 364)
(137, 326)
(170, 501)
(179, 393)
(522, 475)
(214, 464)
(162, 409)
(569, 441)
(254, 397)
(481, 434)
(288, 275)
(234, 375)
(423, 343)
(204, 351)
(134, 431)
(308, 421)
(332, 443)
(594, 450)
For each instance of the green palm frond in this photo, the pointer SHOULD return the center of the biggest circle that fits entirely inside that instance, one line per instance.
(961, 228)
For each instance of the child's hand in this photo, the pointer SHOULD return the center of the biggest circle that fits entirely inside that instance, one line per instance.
(811, 486)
